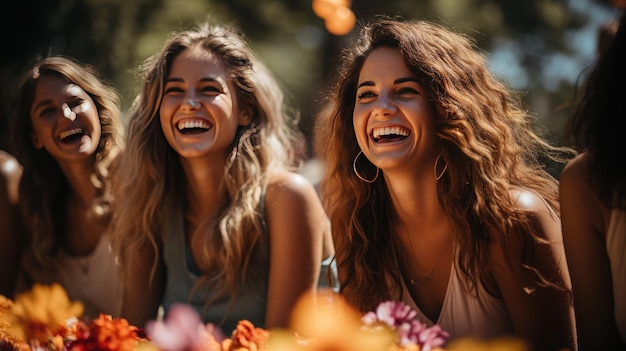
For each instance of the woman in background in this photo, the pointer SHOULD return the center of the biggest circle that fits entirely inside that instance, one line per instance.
(67, 134)
(593, 202)
(11, 235)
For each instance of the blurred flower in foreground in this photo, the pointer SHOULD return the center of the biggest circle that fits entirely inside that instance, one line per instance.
(400, 317)
(183, 330)
(7, 341)
(105, 334)
(497, 344)
(325, 321)
(40, 314)
(246, 337)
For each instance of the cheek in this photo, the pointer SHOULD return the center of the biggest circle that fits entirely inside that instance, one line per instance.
(223, 105)
(165, 109)
(38, 127)
(359, 122)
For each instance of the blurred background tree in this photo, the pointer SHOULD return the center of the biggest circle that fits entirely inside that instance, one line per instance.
(539, 47)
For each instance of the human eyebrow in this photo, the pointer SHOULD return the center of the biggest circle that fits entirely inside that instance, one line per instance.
(204, 80)
(42, 103)
(406, 79)
(367, 83)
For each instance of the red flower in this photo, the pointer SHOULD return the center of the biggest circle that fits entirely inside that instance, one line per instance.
(246, 337)
(106, 334)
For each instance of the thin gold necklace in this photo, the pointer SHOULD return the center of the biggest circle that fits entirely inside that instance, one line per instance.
(426, 278)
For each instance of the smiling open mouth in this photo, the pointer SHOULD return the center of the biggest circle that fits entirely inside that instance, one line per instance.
(193, 127)
(388, 134)
(72, 135)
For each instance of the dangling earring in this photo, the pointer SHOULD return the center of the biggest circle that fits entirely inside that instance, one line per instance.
(437, 177)
(357, 172)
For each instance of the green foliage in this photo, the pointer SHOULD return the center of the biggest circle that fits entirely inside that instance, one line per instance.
(117, 35)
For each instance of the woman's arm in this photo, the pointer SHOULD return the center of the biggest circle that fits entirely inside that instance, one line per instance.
(542, 315)
(297, 225)
(11, 232)
(584, 221)
(143, 291)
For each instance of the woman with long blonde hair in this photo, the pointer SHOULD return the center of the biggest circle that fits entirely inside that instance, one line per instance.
(210, 212)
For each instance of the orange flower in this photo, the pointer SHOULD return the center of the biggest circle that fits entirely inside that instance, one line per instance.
(325, 321)
(246, 337)
(40, 314)
(114, 334)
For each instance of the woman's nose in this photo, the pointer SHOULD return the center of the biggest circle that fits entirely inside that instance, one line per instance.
(68, 112)
(191, 103)
(384, 106)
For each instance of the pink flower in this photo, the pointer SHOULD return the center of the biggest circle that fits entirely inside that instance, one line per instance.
(401, 318)
(391, 313)
(183, 330)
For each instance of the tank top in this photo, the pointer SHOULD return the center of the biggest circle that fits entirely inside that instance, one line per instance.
(183, 278)
(465, 315)
(91, 279)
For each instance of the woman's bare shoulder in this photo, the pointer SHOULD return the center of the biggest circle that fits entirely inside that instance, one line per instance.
(575, 174)
(10, 175)
(285, 183)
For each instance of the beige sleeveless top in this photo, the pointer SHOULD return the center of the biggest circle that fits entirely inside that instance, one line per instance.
(616, 249)
(92, 279)
(466, 315)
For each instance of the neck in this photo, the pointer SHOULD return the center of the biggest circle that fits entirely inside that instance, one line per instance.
(416, 202)
(205, 190)
(78, 176)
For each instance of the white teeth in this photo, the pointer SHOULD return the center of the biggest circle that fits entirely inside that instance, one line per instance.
(70, 132)
(384, 131)
(192, 124)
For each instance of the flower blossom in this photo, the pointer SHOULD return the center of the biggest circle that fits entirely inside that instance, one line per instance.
(400, 317)
(40, 314)
(183, 330)
(246, 337)
(105, 334)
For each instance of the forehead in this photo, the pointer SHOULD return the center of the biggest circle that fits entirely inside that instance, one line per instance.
(197, 62)
(56, 87)
(384, 62)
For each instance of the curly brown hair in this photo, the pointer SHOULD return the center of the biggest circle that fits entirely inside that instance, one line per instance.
(489, 143)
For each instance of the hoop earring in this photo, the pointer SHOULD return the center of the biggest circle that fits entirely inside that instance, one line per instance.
(437, 177)
(357, 172)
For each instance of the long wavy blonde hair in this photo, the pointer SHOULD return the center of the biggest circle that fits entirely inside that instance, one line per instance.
(43, 187)
(151, 177)
(487, 140)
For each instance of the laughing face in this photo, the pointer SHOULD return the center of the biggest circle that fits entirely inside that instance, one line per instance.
(65, 120)
(199, 113)
(393, 118)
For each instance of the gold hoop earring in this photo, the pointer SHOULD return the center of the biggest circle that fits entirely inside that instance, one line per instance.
(357, 172)
(437, 177)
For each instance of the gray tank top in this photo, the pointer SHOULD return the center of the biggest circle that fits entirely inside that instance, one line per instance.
(182, 277)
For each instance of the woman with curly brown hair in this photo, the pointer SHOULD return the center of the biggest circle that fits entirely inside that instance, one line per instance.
(435, 192)
(67, 134)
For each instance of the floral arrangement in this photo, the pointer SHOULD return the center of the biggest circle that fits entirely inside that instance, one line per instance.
(44, 319)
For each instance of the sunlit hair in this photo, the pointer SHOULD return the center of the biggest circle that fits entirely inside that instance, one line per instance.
(43, 187)
(152, 176)
(487, 141)
(595, 123)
